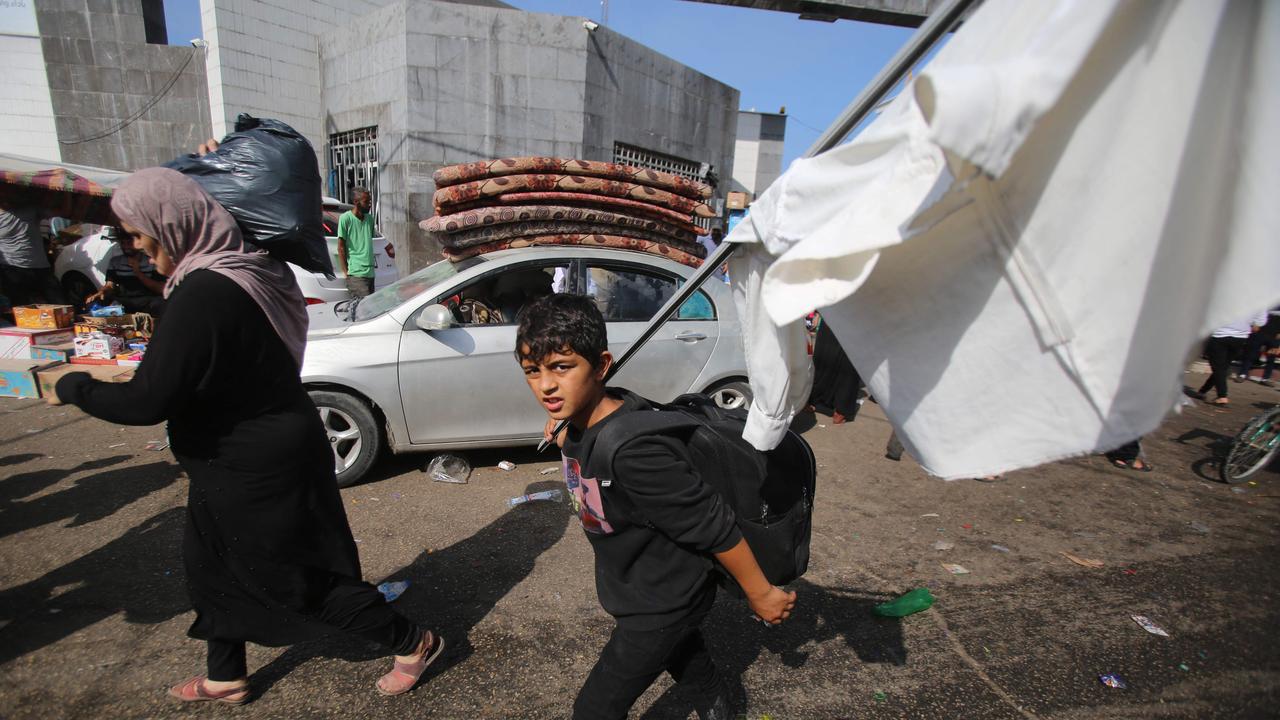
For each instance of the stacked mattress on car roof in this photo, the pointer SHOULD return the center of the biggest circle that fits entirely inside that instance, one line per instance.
(493, 205)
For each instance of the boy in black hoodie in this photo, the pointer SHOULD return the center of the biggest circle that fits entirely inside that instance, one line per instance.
(654, 526)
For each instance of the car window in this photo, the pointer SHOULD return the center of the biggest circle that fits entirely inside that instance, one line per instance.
(408, 287)
(631, 295)
(497, 298)
(330, 222)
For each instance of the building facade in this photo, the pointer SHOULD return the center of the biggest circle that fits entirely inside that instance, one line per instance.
(94, 82)
(386, 91)
(757, 151)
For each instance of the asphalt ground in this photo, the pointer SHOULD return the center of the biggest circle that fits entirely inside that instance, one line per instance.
(93, 614)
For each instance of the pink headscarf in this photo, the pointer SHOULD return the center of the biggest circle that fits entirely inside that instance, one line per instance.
(199, 234)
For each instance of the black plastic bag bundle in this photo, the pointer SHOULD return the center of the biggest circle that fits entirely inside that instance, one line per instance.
(265, 175)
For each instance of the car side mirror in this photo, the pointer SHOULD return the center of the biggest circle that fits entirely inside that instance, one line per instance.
(434, 317)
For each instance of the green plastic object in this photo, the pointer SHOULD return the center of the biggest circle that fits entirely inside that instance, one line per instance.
(913, 602)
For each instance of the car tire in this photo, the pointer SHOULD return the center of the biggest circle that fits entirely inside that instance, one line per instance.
(731, 395)
(354, 434)
(77, 287)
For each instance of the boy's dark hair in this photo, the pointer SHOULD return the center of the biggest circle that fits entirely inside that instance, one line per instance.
(554, 323)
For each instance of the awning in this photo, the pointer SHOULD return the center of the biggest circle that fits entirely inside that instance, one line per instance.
(77, 192)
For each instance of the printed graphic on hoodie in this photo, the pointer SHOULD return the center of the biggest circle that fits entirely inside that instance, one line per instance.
(585, 493)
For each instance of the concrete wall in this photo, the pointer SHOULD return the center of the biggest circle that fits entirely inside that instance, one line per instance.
(449, 82)
(26, 125)
(262, 58)
(637, 96)
(758, 151)
(117, 101)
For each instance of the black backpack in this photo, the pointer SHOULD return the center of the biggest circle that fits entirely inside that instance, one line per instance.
(771, 493)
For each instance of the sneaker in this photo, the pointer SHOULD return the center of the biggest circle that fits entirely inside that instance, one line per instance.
(1266, 383)
(1237, 378)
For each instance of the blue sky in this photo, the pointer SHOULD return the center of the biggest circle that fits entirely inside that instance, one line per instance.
(813, 69)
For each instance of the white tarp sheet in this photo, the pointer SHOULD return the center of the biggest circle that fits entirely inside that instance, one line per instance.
(1020, 252)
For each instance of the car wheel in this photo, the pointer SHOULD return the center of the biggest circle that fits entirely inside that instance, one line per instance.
(354, 434)
(731, 395)
(77, 287)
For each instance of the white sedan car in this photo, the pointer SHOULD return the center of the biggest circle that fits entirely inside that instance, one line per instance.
(400, 368)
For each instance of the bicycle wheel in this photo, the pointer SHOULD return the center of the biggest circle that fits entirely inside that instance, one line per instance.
(1253, 448)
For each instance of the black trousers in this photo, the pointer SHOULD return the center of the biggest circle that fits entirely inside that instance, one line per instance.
(373, 621)
(359, 286)
(1221, 352)
(1127, 453)
(633, 659)
(1264, 338)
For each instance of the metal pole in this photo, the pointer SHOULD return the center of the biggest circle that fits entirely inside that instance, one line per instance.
(916, 47)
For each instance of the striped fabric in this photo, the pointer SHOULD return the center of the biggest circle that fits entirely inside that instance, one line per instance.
(58, 192)
(447, 198)
(514, 214)
(468, 172)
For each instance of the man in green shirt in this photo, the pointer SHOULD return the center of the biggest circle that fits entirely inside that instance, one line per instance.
(355, 244)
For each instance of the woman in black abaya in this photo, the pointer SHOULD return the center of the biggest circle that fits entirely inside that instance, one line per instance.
(836, 384)
(269, 555)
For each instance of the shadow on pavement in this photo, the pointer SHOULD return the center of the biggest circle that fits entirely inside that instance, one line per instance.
(452, 588)
(390, 465)
(17, 459)
(137, 573)
(822, 614)
(90, 498)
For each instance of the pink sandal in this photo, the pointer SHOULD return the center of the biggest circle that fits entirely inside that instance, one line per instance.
(193, 690)
(404, 676)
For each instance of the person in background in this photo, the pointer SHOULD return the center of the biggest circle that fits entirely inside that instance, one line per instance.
(711, 242)
(1263, 339)
(268, 552)
(836, 383)
(1129, 457)
(25, 273)
(355, 244)
(132, 279)
(1223, 346)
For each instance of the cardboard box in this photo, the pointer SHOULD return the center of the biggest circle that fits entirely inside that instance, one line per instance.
(18, 379)
(99, 346)
(48, 375)
(16, 342)
(129, 326)
(62, 352)
(736, 201)
(81, 360)
(44, 317)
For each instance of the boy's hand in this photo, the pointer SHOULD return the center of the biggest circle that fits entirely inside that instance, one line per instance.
(774, 606)
(550, 428)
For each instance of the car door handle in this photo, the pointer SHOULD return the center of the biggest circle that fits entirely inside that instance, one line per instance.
(691, 336)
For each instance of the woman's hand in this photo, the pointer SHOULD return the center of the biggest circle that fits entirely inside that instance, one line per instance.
(207, 147)
(774, 605)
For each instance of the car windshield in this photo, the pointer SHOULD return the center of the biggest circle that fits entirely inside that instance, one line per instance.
(391, 296)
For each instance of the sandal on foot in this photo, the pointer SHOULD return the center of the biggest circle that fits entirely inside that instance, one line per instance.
(404, 676)
(1222, 401)
(1124, 465)
(194, 690)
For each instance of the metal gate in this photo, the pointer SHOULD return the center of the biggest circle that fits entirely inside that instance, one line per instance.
(353, 162)
(639, 157)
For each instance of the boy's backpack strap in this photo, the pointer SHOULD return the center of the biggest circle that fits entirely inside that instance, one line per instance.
(630, 426)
